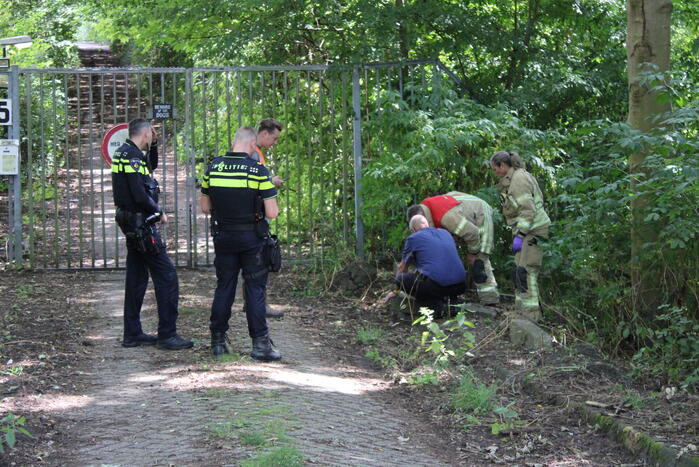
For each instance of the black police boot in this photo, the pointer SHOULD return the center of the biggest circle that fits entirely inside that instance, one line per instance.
(174, 342)
(218, 343)
(141, 339)
(263, 350)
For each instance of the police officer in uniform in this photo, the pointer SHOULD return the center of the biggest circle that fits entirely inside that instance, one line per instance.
(238, 194)
(136, 199)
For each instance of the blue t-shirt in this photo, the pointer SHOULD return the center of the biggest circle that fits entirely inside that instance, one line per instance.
(433, 251)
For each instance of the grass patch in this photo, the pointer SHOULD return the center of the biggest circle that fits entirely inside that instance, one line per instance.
(222, 430)
(232, 357)
(272, 395)
(24, 291)
(13, 371)
(287, 456)
(216, 392)
(473, 396)
(271, 411)
(253, 438)
(368, 335)
(384, 361)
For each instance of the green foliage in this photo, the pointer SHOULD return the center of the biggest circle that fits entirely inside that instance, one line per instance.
(10, 426)
(589, 252)
(508, 419)
(433, 144)
(450, 341)
(368, 335)
(383, 360)
(287, 456)
(673, 352)
(424, 379)
(471, 396)
(12, 371)
(52, 24)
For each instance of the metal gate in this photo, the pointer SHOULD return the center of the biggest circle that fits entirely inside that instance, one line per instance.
(68, 213)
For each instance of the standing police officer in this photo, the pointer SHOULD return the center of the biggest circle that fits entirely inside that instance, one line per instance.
(136, 199)
(238, 194)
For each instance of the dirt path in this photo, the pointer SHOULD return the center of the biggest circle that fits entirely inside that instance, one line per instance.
(145, 406)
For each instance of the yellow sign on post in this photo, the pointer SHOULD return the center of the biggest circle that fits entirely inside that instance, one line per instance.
(9, 157)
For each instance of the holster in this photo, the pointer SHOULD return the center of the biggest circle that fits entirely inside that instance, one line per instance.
(140, 236)
(272, 253)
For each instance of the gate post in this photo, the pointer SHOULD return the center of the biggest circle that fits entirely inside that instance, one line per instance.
(357, 137)
(15, 208)
(190, 166)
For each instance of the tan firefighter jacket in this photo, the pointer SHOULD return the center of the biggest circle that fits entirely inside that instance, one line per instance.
(523, 203)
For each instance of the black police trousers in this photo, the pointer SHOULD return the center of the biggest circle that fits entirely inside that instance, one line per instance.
(236, 251)
(167, 290)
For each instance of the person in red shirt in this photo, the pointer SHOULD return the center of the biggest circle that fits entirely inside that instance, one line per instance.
(471, 219)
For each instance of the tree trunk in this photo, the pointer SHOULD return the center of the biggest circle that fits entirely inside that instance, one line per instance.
(403, 40)
(648, 41)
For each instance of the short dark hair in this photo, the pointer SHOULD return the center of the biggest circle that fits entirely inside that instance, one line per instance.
(414, 210)
(269, 125)
(138, 126)
(510, 159)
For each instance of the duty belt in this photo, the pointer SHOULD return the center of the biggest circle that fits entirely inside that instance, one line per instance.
(236, 228)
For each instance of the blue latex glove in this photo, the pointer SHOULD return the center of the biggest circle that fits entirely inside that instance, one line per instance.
(517, 244)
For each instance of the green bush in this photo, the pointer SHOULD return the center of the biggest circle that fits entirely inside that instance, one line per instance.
(673, 353)
(471, 396)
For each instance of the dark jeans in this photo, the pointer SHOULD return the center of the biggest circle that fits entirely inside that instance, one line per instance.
(235, 251)
(167, 291)
(426, 291)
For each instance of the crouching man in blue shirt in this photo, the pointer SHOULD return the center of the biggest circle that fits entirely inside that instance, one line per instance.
(440, 273)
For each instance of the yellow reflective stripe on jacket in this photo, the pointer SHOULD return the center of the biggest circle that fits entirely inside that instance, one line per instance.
(486, 230)
(205, 182)
(238, 183)
(123, 166)
(141, 170)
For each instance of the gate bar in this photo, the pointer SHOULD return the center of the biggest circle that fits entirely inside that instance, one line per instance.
(16, 211)
(357, 125)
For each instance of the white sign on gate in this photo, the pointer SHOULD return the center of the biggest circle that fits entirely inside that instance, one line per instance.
(5, 112)
(115, 137)
(9, 157)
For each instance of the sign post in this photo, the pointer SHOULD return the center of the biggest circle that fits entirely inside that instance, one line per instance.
(9, 116)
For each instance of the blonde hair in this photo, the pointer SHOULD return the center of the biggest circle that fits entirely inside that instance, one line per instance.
(245, 134)
(511, 159)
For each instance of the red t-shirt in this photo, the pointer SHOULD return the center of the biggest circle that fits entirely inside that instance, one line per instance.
(438, 206)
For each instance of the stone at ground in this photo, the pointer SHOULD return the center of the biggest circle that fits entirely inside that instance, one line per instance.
(401, 305)
(482, 310)
(527, 334)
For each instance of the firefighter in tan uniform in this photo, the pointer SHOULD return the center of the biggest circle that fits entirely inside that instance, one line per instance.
(523, 208)
(471, 219)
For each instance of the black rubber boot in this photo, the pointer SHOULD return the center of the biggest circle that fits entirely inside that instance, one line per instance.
(263, 350)
(218, 343)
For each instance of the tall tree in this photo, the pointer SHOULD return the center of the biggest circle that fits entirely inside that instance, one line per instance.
(647, 44)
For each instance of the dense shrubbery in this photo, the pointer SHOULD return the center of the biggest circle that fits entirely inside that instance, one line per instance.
(443, 143)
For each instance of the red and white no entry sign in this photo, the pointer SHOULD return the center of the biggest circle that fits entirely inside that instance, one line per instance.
(115, 137)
